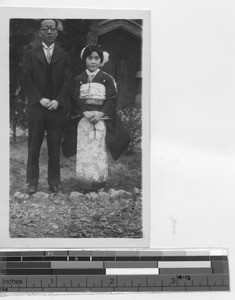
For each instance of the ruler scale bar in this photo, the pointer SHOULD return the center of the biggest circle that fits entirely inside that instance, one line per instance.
(123, 281)
(113, 271)
(117, 258)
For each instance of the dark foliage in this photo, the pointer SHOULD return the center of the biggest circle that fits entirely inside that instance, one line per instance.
(21, 35)
(73, 39)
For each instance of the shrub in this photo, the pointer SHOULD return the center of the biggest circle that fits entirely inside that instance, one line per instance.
(132, 119)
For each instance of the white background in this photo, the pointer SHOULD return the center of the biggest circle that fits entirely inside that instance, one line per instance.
(192, 127)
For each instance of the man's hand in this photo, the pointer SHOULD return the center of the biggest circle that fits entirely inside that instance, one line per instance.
(97, 117)
(88, 114)
(45, 102)
(53, 105)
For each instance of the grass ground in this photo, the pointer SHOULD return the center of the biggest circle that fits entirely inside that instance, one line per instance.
(59, 216)
(125, 173)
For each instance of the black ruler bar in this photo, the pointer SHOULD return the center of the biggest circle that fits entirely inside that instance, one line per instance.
(151, 258)
(28, 265)
(33, 258)
(103, 258)
(55, 271)
(127, 258)
(55, 258)
(11, 258)
(79, 258)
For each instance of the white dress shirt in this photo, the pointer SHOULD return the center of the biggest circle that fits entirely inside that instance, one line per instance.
(48, 51)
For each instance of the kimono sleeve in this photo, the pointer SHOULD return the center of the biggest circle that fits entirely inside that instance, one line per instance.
(77, 106)
(109, 107)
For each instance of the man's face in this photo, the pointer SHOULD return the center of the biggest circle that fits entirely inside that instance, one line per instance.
(48, 31)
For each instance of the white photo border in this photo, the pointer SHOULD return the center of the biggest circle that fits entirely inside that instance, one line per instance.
(36, 243)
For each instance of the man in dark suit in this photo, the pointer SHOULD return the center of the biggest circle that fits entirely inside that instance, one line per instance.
(46, 83)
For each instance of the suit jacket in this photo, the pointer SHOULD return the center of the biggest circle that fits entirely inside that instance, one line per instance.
(35, 74)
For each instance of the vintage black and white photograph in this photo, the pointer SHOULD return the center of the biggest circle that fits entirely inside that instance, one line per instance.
(76, 128)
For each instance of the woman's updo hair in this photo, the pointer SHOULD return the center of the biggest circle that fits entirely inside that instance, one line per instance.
(87, 51)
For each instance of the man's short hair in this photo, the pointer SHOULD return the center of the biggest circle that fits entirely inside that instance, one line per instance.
(41, 20)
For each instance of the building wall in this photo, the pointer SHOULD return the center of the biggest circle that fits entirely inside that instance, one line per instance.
(123, 40)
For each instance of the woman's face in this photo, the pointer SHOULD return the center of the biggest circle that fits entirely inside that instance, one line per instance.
(93, 62)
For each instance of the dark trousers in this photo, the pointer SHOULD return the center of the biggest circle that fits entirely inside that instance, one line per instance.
(41, 120)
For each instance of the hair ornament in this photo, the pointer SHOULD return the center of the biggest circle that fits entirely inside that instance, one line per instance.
(105, 59)
(82, 52)
(87, 45)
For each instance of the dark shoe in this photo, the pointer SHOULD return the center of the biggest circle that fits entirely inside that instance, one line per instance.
(96, 186)
(32, 189)
(54, 188)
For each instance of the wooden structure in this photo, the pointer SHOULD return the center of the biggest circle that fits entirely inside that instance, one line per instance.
(122, 38)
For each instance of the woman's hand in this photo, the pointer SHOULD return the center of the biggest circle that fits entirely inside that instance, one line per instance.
(97, 117)
(53, 105)
(45, 102)
(88, 115)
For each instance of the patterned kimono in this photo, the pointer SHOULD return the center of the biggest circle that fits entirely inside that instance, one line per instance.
(97, 94)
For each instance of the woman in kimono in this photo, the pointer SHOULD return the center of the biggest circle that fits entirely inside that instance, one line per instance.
(95, 101)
